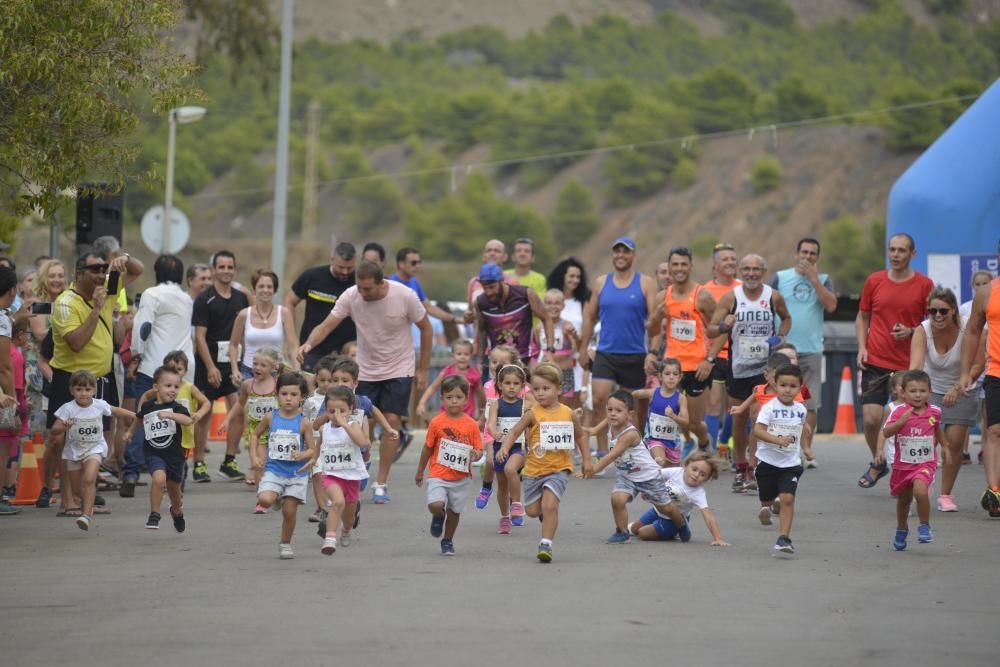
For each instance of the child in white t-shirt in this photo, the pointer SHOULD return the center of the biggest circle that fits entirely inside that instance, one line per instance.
(82, 421)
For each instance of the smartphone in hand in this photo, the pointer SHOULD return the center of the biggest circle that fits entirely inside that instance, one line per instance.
(114, 278)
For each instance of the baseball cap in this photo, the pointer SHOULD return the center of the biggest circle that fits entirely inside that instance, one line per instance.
(490, 273)
(625, 241)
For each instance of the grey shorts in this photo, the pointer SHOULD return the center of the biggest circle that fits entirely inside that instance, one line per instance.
(285, 487)
(452, 494)
(654, 490)
(531, 487)
(812, 376)
(964, 413)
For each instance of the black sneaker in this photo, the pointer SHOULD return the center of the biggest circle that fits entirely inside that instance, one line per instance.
(405, 438)
(44, 498)
(153, 522)
(179, 523)
(99, 501)
(230, 471)
(437, 525)
(8, 493)
(684, 532)
(200, 474)
(127, 489)
(784, 545)
(321, 529)
(357, 517)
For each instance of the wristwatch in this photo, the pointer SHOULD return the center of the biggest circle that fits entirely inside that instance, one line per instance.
(710, 360)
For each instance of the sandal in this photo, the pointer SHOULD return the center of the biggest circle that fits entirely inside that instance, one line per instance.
(867, 481)
(70, 511)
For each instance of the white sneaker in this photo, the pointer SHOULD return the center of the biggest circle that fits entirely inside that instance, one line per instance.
(83, 522)
(345, 540)
(765, 516)
(285, 551)
(329, 546)
(809, 463)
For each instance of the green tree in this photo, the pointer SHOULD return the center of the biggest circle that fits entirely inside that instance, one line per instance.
(765, 174)
(373, 200)
(73, 77)
(795, 99)
(853, 253)
(575, 218)
(719, 99)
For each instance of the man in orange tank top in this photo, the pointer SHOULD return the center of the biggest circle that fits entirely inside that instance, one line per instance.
(986, 311)
(687, 308)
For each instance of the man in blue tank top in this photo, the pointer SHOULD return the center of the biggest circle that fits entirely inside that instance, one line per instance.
(621, 302)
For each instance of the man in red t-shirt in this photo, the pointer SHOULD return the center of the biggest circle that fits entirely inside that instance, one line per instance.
(893, 304)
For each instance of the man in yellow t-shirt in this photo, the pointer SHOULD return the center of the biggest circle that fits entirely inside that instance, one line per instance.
(83, 339)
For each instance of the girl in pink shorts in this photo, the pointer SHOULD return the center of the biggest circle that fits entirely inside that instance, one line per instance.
(916, 426)
(341, 462)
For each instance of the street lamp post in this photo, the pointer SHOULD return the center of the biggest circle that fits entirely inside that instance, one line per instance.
(178, 116)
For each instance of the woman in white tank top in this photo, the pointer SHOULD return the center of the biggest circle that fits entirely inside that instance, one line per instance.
(936, 349)
(264, 323)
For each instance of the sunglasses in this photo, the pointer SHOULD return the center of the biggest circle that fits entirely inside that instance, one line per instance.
(938, 311)
(97, 268)
(723, 246)
(415, 262)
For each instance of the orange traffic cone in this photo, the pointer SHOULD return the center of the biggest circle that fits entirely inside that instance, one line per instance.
(845, 423)
(217, 427)
(29, 479)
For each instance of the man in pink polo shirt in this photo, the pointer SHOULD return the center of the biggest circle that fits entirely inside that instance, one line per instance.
(382, 310)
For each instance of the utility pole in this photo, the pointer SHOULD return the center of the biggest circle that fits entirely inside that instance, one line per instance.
(309, 203)
(278, 241)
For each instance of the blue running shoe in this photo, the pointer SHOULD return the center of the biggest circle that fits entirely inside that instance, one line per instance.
(899, 542)
(447, 548)
(619, 537)
(437, 525)
(483, 499)
(684, 532)
(924, 534)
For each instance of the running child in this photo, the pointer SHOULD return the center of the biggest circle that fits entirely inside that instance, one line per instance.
(162, 418)
(258, 398)
(553, 433)
(82, 421)
(453, 443)
(344, 373)
(667, 415)
(192, 400)
(778, 431)
(505, 411)
(461, 354)
(638, 472)
(790, 351)
(500, 356)
(290, 454)
(916, 426)
(342, 438)
(686, 489)
(566, 342)
(313, 406)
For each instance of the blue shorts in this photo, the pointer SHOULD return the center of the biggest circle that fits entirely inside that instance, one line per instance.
(499, 465)
(173, 467)
(665, 528)
(246, 371)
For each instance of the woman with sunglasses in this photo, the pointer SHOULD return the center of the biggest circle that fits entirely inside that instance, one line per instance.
(936, 349)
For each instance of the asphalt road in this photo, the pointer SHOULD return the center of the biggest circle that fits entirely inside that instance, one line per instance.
(218, 594)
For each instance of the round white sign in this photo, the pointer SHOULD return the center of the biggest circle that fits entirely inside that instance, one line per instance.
(152, 230)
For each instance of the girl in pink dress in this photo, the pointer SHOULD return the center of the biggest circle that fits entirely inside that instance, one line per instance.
(916, 426)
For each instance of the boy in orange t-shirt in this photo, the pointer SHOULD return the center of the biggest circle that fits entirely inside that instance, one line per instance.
(454, 441)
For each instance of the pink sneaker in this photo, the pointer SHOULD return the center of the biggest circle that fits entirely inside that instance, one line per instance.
(504, 527)
(517, 514)
(259, 509)
(946, 503)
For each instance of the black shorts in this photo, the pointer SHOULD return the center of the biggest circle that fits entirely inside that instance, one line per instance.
(875, 385)
(626, 370)
(225, 387)
(391, 396)
(310, 360)
(991, 385)
(692, 386)
(720, 370)
(155, 460)
(773, 481)
(741, 388)
(59, 395)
